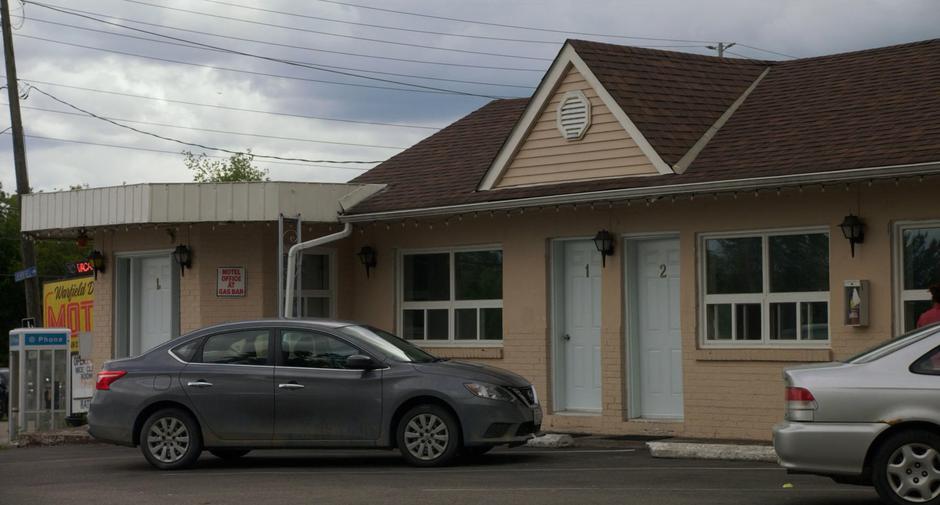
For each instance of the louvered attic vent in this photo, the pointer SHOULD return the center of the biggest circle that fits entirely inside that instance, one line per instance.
(573, 115)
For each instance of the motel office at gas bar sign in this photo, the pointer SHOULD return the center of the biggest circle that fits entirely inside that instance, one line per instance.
(230, 282)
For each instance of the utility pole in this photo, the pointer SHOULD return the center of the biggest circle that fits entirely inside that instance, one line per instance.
(33, 308)
(722, 47)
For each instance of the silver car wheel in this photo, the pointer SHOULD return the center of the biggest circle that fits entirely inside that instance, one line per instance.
(914, 472)
(168, 439)
(426, 437)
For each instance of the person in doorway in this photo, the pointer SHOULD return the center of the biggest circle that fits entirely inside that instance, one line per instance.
(931, 315)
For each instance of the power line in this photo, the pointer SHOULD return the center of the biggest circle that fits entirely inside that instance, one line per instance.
(236, 70)
(307, 30)
(227, 107)
(518, 27)
(262, 57)
(307, 48)
(209, 130)
(739, 55)
(180, 44)
(164, 151)
(768, 51)
(355, 23)
(386, 27)
(191, 144)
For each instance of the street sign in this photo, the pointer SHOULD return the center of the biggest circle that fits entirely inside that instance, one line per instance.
(28, 273)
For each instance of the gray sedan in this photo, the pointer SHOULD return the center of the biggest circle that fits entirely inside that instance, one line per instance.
(873, 419)
(288, 384)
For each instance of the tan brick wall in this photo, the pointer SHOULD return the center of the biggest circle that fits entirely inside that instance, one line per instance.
(733, 393)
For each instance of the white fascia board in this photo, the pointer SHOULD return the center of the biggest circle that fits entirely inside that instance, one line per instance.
(661, 166)
(689, 157)
(156, 203)
(566, 58)
(747, 184)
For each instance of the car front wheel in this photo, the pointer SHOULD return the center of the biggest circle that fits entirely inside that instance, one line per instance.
(170, 439)
(906, 468)
(428, 435)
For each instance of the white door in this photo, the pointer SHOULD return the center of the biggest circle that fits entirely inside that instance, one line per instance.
(155, 299)
(581, 340)
(659, 340)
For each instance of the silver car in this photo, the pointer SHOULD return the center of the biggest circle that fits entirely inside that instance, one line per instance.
(289, 384)
(873, 419)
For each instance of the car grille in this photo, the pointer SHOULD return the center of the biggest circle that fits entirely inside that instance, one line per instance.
(526, 394)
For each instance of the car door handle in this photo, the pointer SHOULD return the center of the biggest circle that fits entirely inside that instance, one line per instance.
(199, 384)
(566, 337)
(291, 385)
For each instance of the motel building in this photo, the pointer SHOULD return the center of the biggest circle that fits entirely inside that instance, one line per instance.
(650, 239)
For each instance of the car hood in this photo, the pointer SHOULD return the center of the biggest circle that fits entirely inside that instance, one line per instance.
(473, 371)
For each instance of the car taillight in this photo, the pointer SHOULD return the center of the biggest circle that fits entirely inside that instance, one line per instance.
(106, 377)
(800, 404)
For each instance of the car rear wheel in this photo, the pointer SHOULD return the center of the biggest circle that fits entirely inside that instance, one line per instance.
(906, 468)
(170, 439)
(428, 435)
(229, 454)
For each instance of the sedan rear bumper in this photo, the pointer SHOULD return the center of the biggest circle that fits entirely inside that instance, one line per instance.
(825, 448)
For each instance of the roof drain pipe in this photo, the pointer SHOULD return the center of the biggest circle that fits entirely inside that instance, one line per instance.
(292, 263)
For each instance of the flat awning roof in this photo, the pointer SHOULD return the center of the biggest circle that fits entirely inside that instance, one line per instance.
(169, 203)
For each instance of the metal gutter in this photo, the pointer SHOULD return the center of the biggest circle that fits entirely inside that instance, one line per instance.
(292, 263)
(669, 189)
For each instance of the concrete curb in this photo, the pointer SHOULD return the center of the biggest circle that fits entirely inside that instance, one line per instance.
(692, 450)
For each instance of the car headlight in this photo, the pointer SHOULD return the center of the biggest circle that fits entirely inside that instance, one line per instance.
(489, 392)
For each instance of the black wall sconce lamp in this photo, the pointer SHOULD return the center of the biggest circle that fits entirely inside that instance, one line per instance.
(184, 257)
(96, 260)
(854, 230)
(367, 258)
(604, 242)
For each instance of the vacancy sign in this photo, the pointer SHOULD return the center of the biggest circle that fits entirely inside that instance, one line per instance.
(230, 282)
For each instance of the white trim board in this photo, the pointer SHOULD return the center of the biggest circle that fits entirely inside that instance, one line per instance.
(743, 184)
(567, 58)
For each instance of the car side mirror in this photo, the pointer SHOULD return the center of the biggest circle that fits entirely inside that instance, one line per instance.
(361, 362)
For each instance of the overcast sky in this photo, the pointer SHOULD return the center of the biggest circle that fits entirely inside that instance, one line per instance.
(48, 58)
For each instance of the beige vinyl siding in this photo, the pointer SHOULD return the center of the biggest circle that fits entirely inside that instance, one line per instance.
(605, 151)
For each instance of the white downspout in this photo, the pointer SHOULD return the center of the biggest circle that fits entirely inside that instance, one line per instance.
(292, 263)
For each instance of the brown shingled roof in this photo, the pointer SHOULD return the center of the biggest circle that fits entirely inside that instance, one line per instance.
(870, 108)
(671, 97)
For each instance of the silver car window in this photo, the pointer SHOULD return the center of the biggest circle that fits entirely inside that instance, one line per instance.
(893, 345)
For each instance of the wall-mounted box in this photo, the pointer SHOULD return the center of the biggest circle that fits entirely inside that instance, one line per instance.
(855, 308)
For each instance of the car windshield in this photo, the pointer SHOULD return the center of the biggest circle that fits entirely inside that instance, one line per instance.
(895, 344)
(395, 347)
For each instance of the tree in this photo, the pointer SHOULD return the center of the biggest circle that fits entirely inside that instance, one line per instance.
(52, 258)
(237, 168)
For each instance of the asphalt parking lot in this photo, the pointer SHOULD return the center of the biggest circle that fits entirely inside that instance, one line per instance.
(103, 474)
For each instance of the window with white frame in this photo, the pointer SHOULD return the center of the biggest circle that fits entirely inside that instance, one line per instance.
(919, 269)
(766, 288)
(317, 291)
(452, 296)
